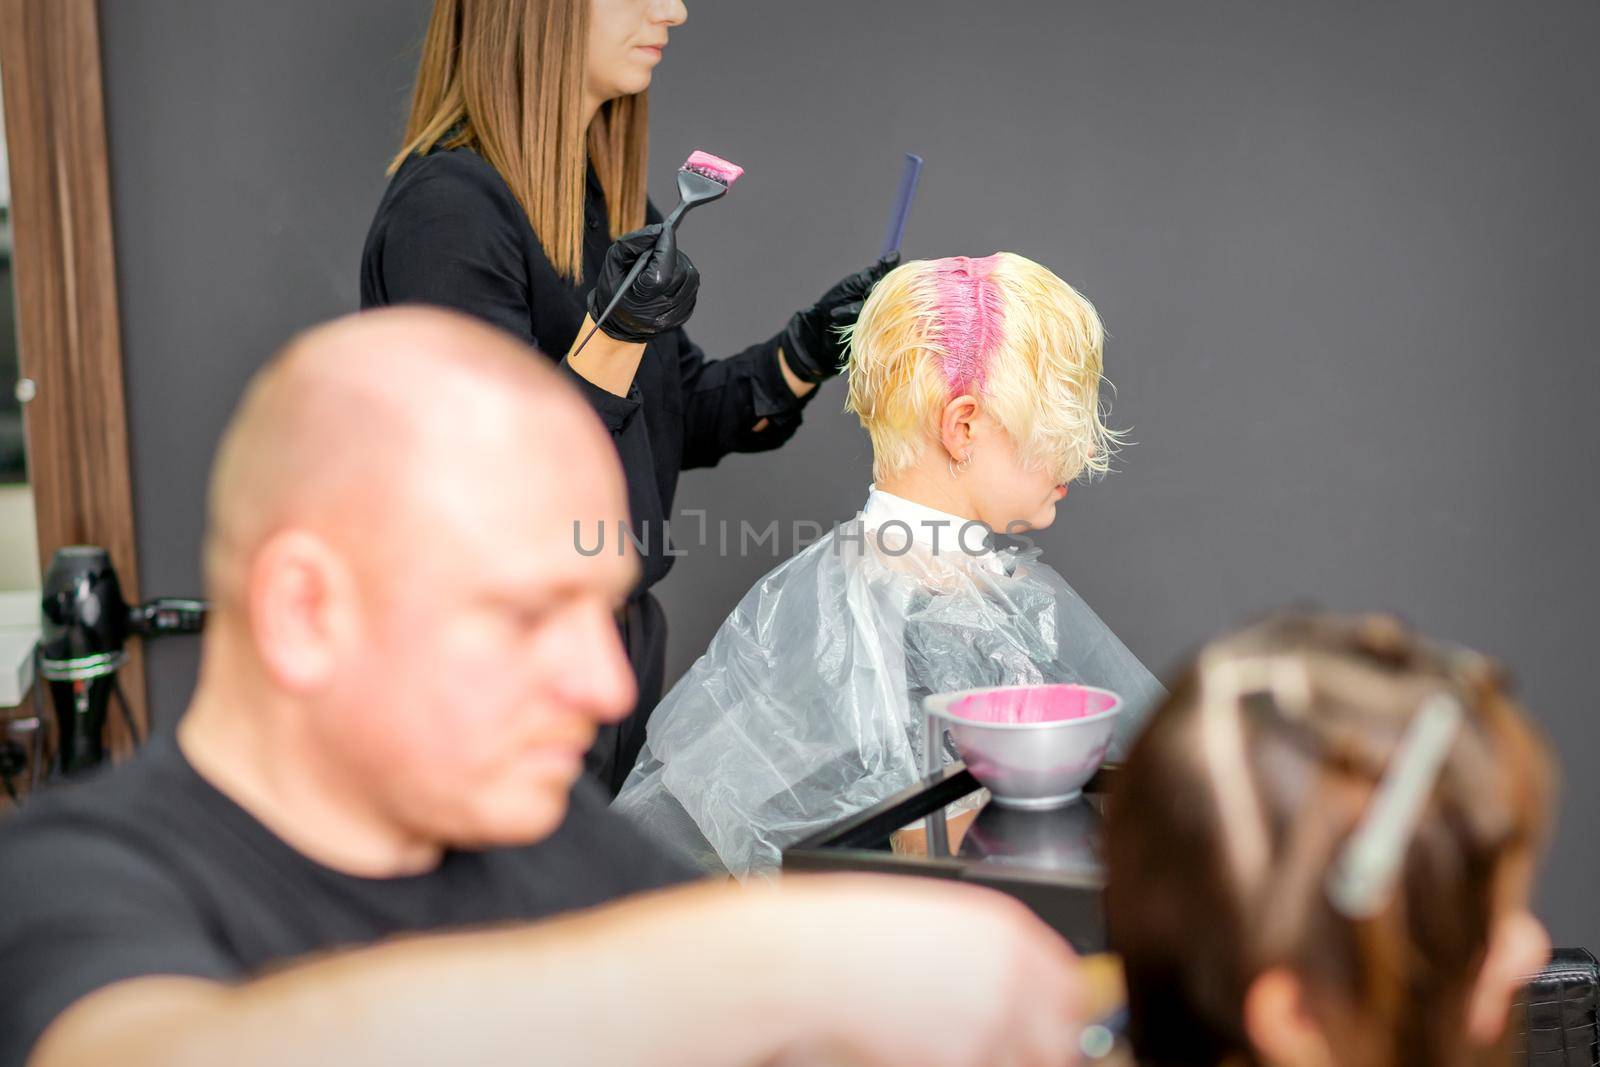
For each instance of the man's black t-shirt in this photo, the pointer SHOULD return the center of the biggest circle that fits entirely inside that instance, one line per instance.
(147, 869)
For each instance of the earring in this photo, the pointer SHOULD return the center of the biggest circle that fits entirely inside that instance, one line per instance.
(959, 468)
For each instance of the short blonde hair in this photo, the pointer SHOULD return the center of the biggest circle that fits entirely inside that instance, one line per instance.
(1003, 329)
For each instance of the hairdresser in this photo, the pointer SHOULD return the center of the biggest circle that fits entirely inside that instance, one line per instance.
(519, 197)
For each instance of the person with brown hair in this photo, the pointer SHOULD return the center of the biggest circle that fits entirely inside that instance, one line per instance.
(1321, 850)
(519, 196)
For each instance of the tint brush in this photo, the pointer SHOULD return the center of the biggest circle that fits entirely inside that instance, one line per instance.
(702, 179)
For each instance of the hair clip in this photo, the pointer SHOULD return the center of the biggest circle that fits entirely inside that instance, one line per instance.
(1229, 681)
(1360, 881)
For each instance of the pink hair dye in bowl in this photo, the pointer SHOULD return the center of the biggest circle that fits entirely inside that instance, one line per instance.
(1022, 705)
(1033, 746)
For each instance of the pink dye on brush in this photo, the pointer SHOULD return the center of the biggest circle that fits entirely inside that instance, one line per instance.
(712, 167)
(1033, 704)
(971, 319)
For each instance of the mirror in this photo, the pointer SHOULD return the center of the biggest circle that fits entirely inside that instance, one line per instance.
(19, 539)
(70, 484)
(19, 546)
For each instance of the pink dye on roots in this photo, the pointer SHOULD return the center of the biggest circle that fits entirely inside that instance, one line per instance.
(1033, 704)
(712, 167)
(971, 319)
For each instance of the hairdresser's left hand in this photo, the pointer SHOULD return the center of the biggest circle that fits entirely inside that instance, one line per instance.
(811, 342)
(663, 296)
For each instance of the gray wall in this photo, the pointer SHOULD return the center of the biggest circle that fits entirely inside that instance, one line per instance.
(248, 143)
(1345, 252)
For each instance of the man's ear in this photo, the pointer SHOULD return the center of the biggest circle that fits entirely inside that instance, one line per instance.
(955, 426)
(301, 597)
(1518, 948)
(1280, 1025)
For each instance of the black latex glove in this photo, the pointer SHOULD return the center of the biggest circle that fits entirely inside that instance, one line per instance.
(660, 299)
(811, 342)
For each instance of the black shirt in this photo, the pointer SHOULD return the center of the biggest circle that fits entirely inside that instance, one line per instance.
(147, 869)
(449, 232)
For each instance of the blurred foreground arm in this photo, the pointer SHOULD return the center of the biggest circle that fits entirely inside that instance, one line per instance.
(826, 970)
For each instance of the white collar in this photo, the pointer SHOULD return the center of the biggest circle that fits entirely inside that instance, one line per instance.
(939, 530)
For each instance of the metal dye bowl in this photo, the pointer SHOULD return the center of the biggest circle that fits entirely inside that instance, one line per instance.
(1033, 746)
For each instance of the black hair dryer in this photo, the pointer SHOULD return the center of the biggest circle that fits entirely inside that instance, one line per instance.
(83, 643)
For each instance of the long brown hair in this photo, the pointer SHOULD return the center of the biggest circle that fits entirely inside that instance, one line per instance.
(1218, 864)
(505, 77)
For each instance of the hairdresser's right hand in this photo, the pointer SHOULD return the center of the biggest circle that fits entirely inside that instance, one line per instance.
(811, 342)
(663, 296)
(927, 973)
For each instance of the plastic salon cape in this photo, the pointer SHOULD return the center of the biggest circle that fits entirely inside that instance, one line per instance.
(806, 707)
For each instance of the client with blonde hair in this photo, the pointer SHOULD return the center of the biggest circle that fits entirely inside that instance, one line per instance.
(979, 383)
(1320, 854)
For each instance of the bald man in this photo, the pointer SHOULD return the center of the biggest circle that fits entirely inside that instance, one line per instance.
(357, 846)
